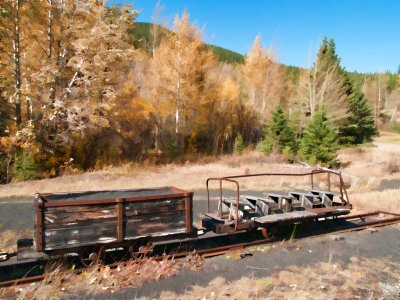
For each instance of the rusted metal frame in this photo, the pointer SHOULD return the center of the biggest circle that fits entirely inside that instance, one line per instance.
(343, 191)
(188, 206)
(389, 213)
(22, 280)
(120, 219)
(111, 201)
(237, 199)
(329, 181)
(39, 205)
(220, 193)
(369, 214)
(220, 179)
(312, 173)
(315, 171)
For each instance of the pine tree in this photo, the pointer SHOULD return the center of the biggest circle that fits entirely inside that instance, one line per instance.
(360, 126)
(24, 167)
(238, 147)
(319, 142)
(279, 134)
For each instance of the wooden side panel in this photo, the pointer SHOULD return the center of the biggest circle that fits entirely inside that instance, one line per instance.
(153, 206)
(159, 224)
(72, 226)
(79, 225)
(155, 217)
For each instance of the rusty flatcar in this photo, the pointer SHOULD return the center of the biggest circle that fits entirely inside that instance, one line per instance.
(247, 212)
(91, 224)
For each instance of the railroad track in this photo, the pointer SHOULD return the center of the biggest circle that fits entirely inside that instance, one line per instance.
(209, 244)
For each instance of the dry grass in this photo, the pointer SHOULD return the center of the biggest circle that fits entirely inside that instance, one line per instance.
(8, 239)
(360, 279)
(363, 168)
(387, 200)
(188, 176)
(60, 283)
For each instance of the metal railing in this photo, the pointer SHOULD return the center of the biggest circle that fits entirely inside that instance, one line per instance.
(234, 179)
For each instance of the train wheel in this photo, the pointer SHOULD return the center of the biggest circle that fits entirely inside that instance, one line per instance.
(138, 252)
(265, 233)
(90, 256)
(269, 232)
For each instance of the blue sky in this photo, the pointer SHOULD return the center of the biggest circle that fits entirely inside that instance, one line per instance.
(366, 32)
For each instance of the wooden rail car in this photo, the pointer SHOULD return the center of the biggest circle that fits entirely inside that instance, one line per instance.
(90, 223)
(274, 209)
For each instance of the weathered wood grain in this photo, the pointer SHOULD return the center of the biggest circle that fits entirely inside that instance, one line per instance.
(93, 224)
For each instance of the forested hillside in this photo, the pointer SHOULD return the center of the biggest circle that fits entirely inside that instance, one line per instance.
(143, 36)
(82, 85)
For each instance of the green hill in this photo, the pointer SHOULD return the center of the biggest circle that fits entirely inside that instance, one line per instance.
(143, 38)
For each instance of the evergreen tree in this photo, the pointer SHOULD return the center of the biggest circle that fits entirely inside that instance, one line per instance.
(327, 85)
(238, 147)
(319, 142)
(24, 167)
(360, 126)
(279, 134)
(345, 104)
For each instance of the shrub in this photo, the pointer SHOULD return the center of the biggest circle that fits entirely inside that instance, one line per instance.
(24, 167)
(279, 135)
(238, 146)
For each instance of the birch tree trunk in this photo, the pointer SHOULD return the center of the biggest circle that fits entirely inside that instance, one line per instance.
(50, 29)
(17, 61)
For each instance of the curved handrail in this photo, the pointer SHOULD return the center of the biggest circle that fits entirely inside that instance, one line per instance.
(343, 193)
(220, 179)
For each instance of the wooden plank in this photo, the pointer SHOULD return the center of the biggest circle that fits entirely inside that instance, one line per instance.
(70, 214)
(157, 206)
(336, 210)
(290, 216)
(100, 233)
(80, 223)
